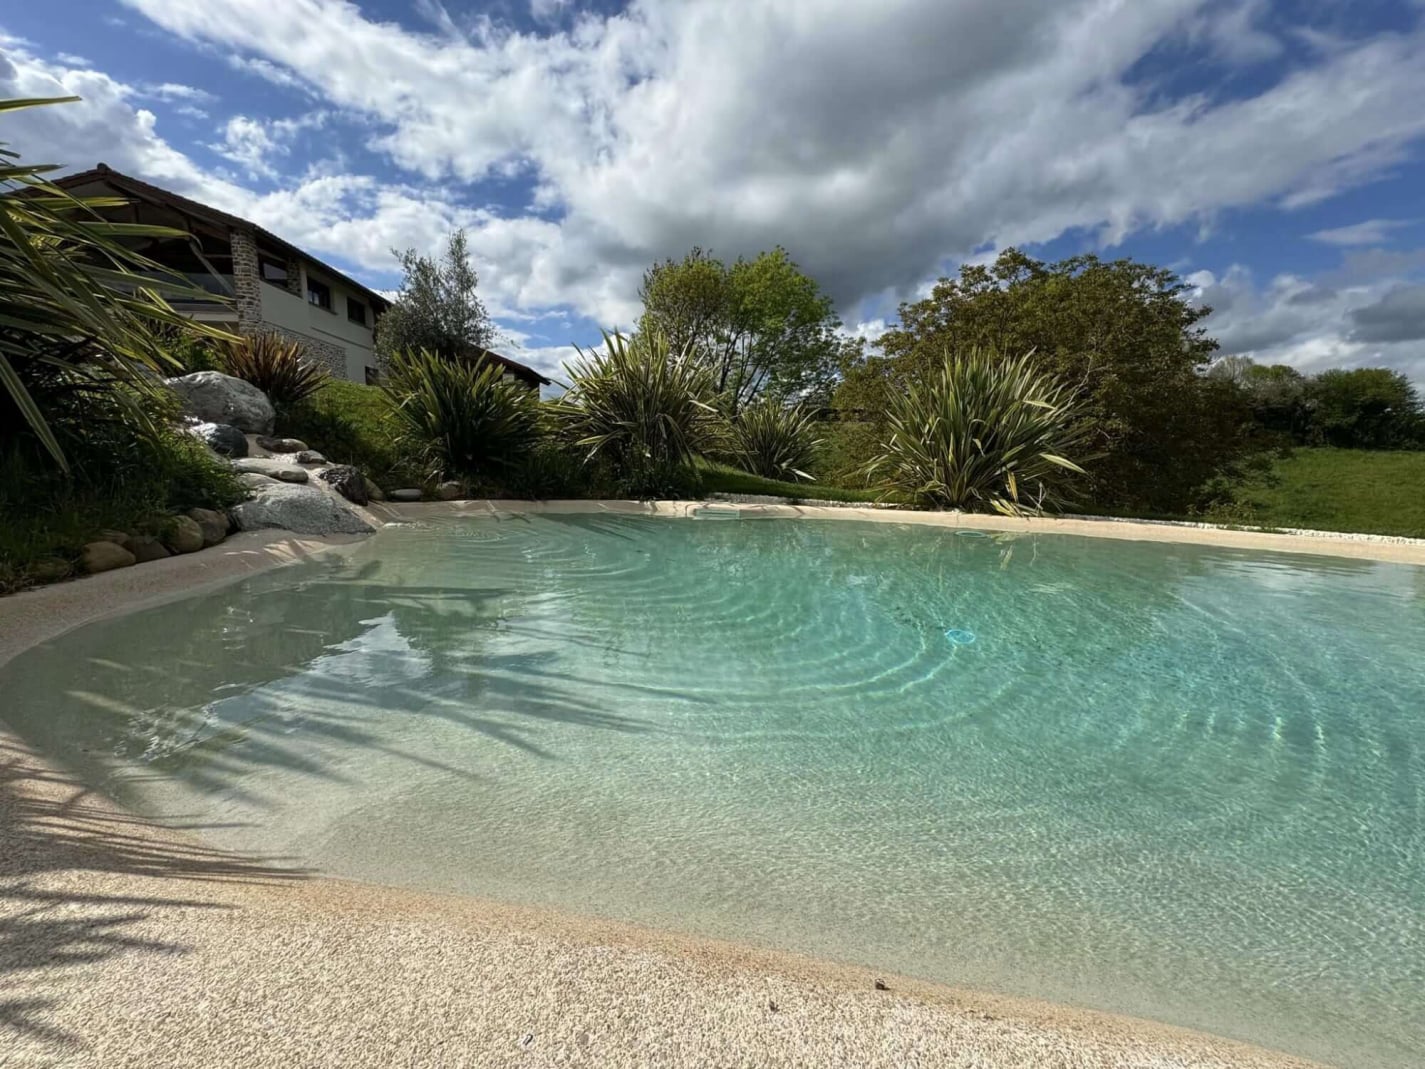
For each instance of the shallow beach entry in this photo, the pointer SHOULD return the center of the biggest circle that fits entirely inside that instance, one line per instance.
(1173, 781)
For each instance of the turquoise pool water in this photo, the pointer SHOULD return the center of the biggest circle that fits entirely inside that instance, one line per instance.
(1173, 781)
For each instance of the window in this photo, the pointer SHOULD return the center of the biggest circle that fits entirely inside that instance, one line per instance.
(319, 294)
(355, 311)
(274, 271)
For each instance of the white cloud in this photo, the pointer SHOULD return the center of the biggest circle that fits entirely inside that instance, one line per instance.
(877, 141)
(257, 145)
(1311, 326)
(676, 123)
(1369, 232)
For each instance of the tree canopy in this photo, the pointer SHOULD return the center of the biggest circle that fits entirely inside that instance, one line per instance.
(1120, 333)
(437, 308)
(760, 326)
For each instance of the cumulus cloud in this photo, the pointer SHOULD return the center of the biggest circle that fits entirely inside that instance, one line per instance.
(742, 124)
(1398, 316)
(880, 141)
(1310, 326)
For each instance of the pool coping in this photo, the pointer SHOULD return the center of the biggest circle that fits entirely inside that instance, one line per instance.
(1385, 548)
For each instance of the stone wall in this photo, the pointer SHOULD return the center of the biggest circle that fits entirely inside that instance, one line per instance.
(330, 356)
(247, 281)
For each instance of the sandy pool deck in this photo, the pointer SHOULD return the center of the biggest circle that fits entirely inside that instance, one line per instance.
(127, 944)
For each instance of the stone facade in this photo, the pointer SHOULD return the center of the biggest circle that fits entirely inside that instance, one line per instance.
(247, 281)
(332, 357)
(247, 287)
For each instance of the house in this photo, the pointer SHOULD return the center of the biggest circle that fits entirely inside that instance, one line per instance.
(269, 284)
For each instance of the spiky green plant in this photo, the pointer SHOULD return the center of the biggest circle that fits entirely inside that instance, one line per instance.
(459, 416)
(276, 365)
(773, 440)
(642, 408)
(78, 307)
(982, 432)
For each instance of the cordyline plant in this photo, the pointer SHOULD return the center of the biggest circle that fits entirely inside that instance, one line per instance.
(278, 366)
(774, 440)
(645, 409)
(78, 307)
(459, 416)
(981, 432)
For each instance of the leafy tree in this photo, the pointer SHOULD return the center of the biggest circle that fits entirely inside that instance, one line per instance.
(1364, 408)
(1119, 333)
(760, 326)
(437, 308)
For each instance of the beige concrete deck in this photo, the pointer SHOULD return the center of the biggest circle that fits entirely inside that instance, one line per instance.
(127, 944)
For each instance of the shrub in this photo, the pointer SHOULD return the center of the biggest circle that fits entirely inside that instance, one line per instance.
(644, 411)
(982, 431)
(124, 477)
(774, 441)
(846, 448)
(276, 365)
(461, 418)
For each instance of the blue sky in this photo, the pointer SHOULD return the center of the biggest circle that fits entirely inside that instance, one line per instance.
(1271, 151)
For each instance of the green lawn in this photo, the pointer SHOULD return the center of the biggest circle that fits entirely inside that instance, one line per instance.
(1339, 490)
(718, 478)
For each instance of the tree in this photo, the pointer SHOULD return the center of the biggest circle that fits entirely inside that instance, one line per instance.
(437, 308)
(760, 326)
(1119, 333)
(1364, 408)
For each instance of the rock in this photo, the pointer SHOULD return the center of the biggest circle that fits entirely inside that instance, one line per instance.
(119, 538)
(212, 523)
(222, 438)
(281, 445)
(347, 481)
(48, 569)
(309, 456)
(300, 509)
(404, 495)
(105, 556)
(253, 481)
(449, 490)
(374, 492)
(183, 535)
(277, 469)
(146, 548)
(214, 397)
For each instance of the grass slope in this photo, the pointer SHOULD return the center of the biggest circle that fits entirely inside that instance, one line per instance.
(1340, 490)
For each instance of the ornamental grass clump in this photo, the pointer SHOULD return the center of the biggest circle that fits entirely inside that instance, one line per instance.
(774, 441)
(642, 409)
(982, 432)
(278, 366)
(459, 417)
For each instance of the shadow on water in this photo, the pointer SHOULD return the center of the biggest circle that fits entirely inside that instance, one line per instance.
(275, 676)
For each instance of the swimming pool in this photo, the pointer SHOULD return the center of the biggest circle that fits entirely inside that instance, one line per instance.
(1168, 780)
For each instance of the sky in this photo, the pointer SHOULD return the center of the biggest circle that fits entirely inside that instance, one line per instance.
(1272, 152)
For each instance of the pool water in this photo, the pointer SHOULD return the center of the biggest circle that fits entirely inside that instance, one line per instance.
(1167, 780)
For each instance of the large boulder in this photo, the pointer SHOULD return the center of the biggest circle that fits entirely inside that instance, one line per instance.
(183, 535)
(212, 523)
(222, 438)
(271, 467)
(309, 456)
(347, 481)
(104, 557)
(299, 509)
(146, 548)
(213, 397)
(255, 481)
